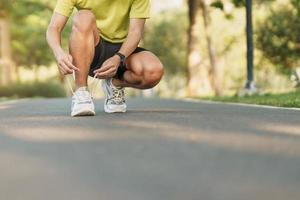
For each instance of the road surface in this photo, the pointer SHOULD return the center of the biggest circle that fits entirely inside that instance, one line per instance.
(159, 150)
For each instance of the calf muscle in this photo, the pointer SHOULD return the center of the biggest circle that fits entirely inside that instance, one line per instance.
(82, 43)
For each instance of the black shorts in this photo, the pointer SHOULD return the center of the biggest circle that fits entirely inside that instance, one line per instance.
(103, 51)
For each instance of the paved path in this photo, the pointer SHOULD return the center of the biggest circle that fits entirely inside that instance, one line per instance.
(159, 150)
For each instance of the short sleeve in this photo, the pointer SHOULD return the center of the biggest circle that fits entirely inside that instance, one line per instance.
(65, 7)
(140, 9)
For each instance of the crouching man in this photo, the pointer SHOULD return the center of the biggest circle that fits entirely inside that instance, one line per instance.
(104, 44)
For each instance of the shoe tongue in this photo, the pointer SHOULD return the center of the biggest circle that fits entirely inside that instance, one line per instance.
(82, 89)
(82, 92)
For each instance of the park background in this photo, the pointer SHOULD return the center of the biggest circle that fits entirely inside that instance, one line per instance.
(202, 44)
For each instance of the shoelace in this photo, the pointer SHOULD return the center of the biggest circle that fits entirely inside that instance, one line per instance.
(118, 95)
(93, 85)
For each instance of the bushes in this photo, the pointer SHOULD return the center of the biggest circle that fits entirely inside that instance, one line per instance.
(34, 89)
(166, 37)
(277, 36)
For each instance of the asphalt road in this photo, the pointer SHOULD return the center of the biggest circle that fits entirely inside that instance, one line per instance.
(159, 150)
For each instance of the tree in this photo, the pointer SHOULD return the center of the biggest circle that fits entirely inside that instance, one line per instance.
(24, 41)
(169, 47)
(198, 73)
(215, 74)
(30, 48)
(6, 62)
(277, 36)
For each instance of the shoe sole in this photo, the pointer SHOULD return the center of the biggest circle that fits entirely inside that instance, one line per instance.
(84, 113)
(107, 110)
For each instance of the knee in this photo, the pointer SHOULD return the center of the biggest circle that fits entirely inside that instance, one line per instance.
(153, 74)
(83, 21)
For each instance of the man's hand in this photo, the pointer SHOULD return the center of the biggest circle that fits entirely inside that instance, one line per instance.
(65, 63)
(64, 60)
(109, 68)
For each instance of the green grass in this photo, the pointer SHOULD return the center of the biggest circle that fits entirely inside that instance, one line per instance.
(291, 99)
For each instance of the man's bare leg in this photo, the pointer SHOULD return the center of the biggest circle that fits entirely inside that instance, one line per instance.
(144, 71)
(84, 38)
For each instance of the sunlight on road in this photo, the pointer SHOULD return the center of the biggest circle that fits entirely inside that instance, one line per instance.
(3, 107)
(9, 104)
(255, 142)
(250, 142)
(282, 129)
(51, 134)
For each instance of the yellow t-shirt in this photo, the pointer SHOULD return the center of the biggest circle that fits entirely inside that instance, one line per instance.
(112, 15)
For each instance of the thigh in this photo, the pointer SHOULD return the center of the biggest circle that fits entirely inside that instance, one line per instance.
(142, 61)
(85, 20)
(96, 33)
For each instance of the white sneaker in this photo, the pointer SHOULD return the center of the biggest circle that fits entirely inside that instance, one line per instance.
(115, 98)
(82, 103)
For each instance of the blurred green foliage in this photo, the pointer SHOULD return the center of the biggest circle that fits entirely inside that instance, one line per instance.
(237, 3)
(30, 20)
(33, 89)
(166, 37)
(276, 26)
(277, 36)
(5, 7)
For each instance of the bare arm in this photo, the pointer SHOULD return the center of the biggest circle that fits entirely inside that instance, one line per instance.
(110, 67)
(135, 34)
(54, 31)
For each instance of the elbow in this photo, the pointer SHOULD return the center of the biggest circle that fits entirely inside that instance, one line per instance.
(48, 32)
(52, 30)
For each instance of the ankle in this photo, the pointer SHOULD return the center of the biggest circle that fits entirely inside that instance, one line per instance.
(116, 83)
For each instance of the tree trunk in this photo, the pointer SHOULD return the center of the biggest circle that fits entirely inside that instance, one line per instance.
(198, 75)
(8, 71)
(215, 72)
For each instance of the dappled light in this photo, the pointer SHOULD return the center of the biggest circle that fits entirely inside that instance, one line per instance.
(10, 104)
(256, 140)
(282, 129)
(2, 107)
(49, 134)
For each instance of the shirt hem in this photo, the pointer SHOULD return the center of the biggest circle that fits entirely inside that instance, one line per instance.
(62, 13)
(112, 40)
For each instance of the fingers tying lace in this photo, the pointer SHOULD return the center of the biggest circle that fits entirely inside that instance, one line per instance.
(94, 83)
